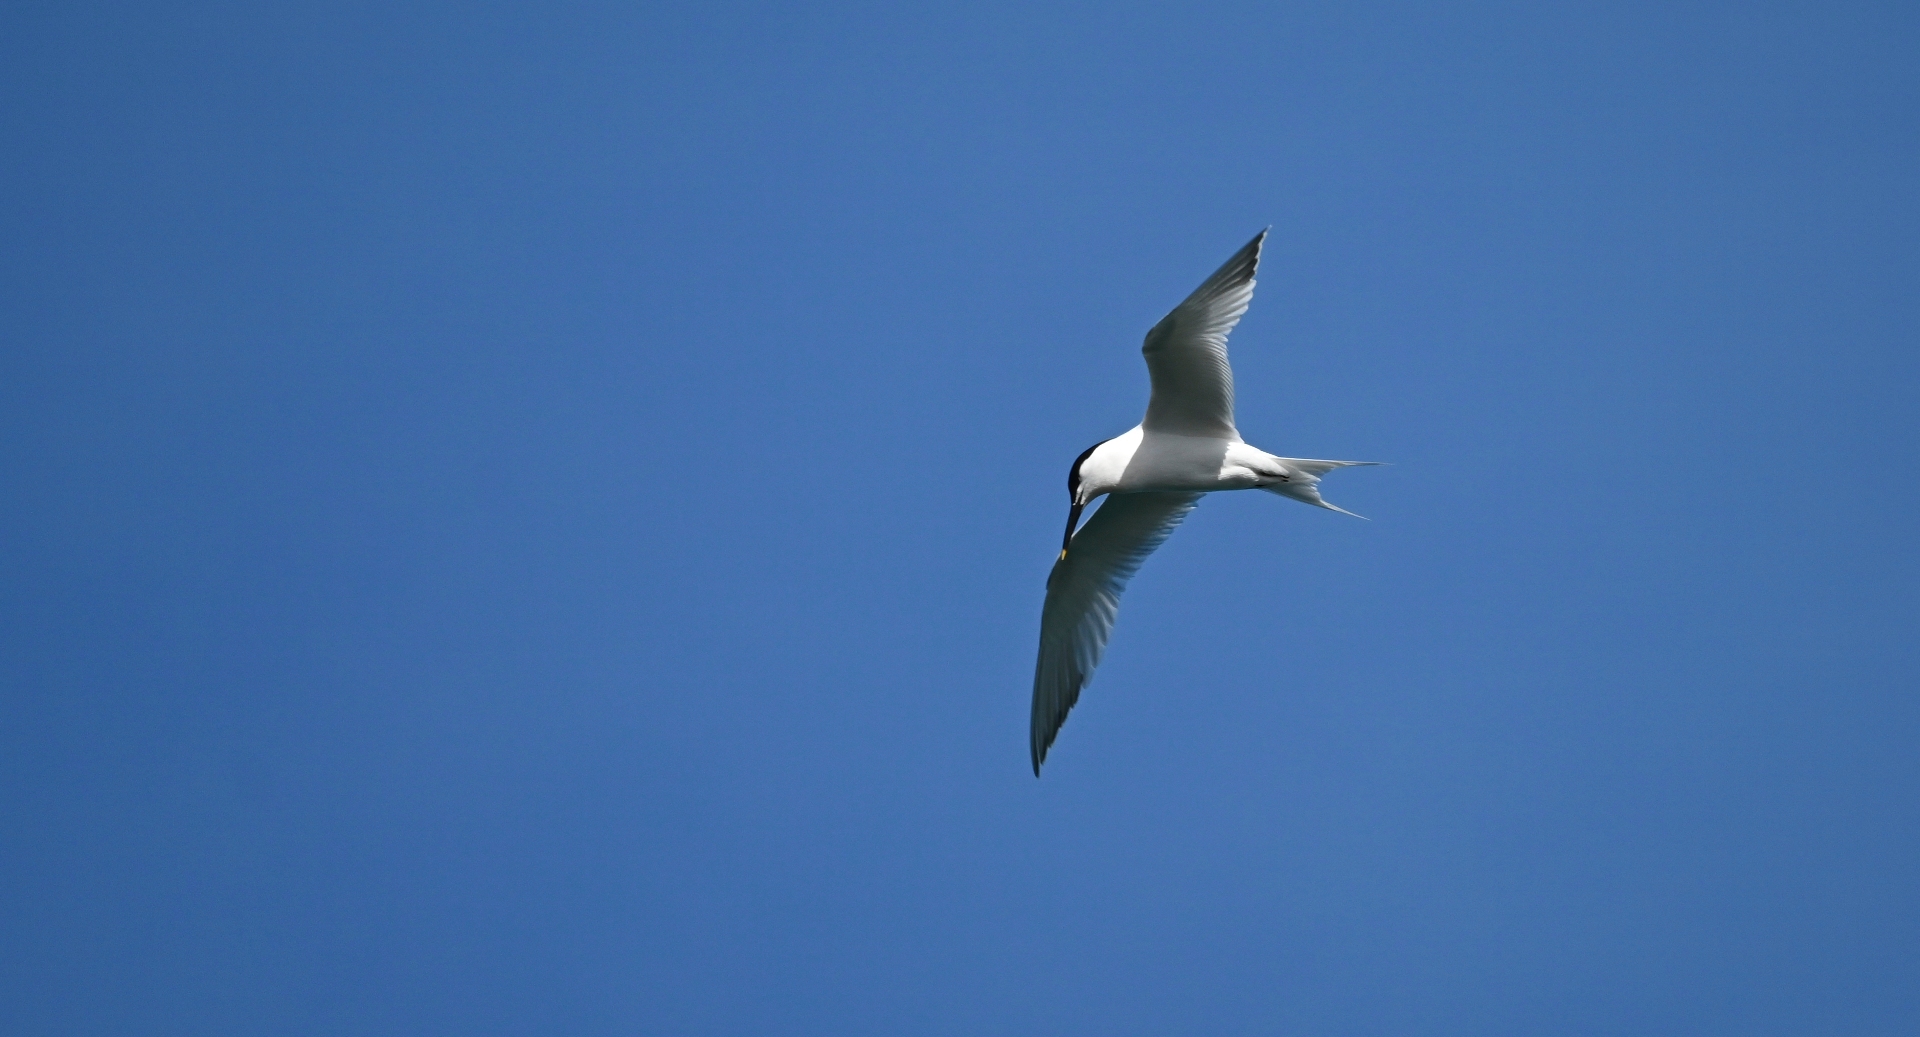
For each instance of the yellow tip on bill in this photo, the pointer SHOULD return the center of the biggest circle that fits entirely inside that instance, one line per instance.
(1063, 555)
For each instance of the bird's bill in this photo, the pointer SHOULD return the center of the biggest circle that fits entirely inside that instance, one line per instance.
(1073, 519)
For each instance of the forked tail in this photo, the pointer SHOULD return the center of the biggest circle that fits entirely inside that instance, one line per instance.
(1305, 485)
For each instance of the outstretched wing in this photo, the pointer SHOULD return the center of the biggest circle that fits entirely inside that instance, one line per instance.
(1083, 597)
(1187, 352)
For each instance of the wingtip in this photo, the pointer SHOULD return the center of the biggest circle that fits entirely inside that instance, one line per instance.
(1246, 262)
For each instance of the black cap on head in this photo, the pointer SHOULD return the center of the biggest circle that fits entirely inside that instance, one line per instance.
(1073, 474)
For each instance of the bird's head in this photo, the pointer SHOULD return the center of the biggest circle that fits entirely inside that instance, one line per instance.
(1084, 483)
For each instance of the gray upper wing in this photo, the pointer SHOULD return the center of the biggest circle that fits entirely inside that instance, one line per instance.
(1083, 598)
(1187, 352)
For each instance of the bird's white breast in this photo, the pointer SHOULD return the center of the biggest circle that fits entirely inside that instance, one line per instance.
(1142, 461)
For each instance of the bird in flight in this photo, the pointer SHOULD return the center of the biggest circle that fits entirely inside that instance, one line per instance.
(1152, 475)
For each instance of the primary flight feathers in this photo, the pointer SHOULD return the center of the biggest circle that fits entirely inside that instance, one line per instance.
(1152, 476)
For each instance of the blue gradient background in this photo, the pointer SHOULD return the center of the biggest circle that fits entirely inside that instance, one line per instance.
(532, 520)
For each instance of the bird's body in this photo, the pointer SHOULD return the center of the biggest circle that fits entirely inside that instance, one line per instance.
(1139, 461)
(1153, 475)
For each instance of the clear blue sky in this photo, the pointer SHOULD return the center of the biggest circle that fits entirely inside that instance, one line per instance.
(532, 520)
